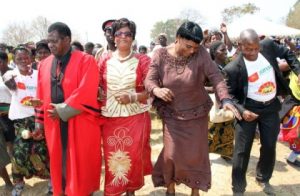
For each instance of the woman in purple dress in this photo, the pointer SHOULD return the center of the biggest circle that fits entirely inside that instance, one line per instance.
(176, 78)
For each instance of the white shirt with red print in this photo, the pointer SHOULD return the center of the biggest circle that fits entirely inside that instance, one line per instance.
(261, 79)
(26, 89)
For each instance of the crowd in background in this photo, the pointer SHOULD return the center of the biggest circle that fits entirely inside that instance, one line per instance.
(52, 116)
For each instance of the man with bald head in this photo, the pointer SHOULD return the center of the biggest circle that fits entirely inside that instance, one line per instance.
(254, 80)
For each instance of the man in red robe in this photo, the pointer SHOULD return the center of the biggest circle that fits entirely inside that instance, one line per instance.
(69, 114)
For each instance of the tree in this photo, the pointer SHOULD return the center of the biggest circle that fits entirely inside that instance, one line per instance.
(39, 27)
(20, 33)
(230, 13)
(16, 34)
(293, 18)
(169, 28)
(192, 15)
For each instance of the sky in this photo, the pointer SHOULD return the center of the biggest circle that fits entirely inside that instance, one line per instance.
(86, 17)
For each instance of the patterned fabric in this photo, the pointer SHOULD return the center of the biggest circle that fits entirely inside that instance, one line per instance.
(30, 157)
(119, 78)
(126, 134)
(290, 129)
(220, 138)
(126, 153)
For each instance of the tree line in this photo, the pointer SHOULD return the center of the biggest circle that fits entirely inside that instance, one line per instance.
(17, 33)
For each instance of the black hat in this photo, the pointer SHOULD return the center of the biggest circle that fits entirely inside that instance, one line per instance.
(107, 23)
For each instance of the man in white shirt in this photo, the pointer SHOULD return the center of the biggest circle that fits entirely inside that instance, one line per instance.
(254, 81)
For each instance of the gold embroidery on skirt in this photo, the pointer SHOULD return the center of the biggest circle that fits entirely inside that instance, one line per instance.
(119, 162)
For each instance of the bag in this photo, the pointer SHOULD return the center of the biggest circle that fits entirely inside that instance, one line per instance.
(217, 115)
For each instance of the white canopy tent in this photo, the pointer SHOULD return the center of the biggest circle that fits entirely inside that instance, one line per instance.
(261, 26)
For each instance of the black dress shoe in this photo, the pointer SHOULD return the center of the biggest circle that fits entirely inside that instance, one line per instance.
(296, 163)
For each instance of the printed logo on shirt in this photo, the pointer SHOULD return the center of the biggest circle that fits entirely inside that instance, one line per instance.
(26, 101)
(265, 69)
(21, 86)
(254, 77)
(266, 88)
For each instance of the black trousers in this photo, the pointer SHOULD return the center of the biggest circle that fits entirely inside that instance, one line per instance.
(268, 123)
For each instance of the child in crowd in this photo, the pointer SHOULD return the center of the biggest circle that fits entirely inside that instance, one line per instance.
(30, 156)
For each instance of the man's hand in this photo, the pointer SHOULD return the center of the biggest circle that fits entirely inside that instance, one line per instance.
(229, 106)
(52, 113)
(11, 83)
(223, 28)
(282, 64)
(249, 116)
(164, 94)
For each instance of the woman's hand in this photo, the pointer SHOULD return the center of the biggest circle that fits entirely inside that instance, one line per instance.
(164, 94)
(231, 107)
(123, 98)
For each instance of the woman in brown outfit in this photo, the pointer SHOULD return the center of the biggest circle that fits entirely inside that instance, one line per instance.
(176, 78)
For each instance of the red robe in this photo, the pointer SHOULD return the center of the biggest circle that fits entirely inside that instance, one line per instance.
(80, 86)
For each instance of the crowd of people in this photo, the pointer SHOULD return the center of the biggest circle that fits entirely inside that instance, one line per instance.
(65, 106)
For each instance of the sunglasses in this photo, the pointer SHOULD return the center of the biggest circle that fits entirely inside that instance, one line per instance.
(125, 34)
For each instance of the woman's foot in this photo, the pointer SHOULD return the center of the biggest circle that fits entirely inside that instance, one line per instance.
(195, 192)
(171, 189)
(170, 194)
(130, 193)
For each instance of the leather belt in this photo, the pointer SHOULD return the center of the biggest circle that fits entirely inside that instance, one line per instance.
(261, 102)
